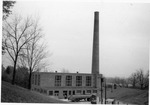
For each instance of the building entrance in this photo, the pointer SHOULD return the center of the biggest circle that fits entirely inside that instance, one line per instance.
(73, 92)
(65, 94)
(83, 92)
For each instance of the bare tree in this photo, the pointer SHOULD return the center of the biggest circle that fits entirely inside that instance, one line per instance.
(133, 79)
(123, 81)
(140, 77)
(146, 79)
(117, 80)
(16, 33)
(126, 82)
(34, 59)
(35, 53)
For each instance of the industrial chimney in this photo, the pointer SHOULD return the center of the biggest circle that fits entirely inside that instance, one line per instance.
(95, 54)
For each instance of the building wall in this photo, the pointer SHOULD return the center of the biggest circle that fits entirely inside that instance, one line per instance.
(47, 84)
(47, 80)
(84, 91)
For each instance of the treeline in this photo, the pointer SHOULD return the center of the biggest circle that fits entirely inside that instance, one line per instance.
(137, 79)
(24, 46)
(22, 75)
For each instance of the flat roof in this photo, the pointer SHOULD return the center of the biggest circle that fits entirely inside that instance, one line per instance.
(63, 73)
(70, 87)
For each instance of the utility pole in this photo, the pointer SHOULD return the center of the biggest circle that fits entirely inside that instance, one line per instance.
(102, 79)
(105, 91)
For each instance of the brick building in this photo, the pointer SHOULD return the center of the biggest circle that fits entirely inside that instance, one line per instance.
(65, 84)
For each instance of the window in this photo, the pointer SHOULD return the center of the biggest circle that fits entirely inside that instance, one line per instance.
(94, 91)
(88, 91)
(57, 80)
(78, 91)
(51, 93)
(68, 80)
(78, 80)
(88, 80)
(38, 79)
(56, 93)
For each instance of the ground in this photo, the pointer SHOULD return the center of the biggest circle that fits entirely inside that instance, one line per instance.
(13, 93)
(129, 95)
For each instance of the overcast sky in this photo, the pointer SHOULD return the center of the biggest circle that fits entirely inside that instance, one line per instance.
(68, 27)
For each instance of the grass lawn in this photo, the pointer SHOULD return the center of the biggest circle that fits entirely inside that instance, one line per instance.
(129, 95)
(16, 94)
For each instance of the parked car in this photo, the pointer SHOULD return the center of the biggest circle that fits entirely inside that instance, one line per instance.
(77, 98)
(93, 99)
(110, 101)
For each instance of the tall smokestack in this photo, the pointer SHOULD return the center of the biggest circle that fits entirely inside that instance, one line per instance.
(95, 56)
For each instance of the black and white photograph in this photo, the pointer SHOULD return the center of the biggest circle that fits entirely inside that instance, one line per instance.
(75, 52)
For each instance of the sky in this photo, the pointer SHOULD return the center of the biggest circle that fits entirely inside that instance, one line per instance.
(68, 28)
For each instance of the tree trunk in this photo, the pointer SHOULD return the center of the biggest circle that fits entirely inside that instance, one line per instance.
(29, 85)
(141, 86)
(14, 73)
(133, 84)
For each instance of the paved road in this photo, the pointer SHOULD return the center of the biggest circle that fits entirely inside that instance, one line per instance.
(85, 102)
(81, 102)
